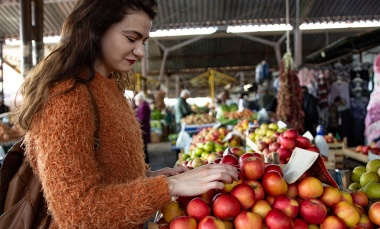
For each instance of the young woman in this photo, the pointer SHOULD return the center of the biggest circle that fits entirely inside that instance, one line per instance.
(109, 187)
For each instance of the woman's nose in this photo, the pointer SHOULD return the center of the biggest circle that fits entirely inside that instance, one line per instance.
(139, 51)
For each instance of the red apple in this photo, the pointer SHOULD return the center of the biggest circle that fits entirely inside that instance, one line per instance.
(261, 207)
(302, 142)
(260, 155)
(274, 184)
(245, 194)
(365, 150)
(185, 222)
(291, 133)
(364, 222)
(229, 159)
(217, 161)
(184, 200)
(284, 153)
(313, 211)
(226, 207)
(276, 219)
(346, 212)
(244, 156)
(333, 221)
(358, 148)
(237, 151)
(374, 213)
(330, 196)
(359, 209)
(198, 209)
(258, 187)
(248, 220)
(164, 226)
(210, 222)
(292, 190)
(275, 167)
(299, 224)
(208, 196)
(274, 146)
(270, 199)
(252, 168)
(360, 198)
(261, 146)
(288, 143)
(310, 187)
(287, 205)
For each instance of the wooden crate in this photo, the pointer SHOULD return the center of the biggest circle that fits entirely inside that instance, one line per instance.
(336, 152)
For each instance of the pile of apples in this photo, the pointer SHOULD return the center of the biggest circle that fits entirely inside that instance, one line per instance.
(284, 144)
(208, 145)
(367, 179)
(364, 149)
(261, 198)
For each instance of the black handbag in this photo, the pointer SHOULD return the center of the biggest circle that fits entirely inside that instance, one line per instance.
(22, 204)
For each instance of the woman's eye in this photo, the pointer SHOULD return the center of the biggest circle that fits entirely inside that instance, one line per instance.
(131, 39)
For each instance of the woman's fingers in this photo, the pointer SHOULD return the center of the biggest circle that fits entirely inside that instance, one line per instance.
(202, 179)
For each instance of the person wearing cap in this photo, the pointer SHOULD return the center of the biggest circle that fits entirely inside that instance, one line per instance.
(182, 108)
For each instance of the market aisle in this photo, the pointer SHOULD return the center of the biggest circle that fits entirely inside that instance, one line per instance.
(161, 155)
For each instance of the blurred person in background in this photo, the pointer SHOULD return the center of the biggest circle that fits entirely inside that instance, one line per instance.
(182, 108)
(143, 115)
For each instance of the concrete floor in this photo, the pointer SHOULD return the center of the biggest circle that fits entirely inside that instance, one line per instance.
(161, 155)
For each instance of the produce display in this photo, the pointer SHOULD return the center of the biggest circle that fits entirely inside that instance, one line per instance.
(208, 145)
(367, 179)
(198, 119)
(269, 139)
(364, 149)
(261, 198)
(244, 114)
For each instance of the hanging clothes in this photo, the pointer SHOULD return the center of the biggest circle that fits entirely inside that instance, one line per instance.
(372, 119)
(340, 88)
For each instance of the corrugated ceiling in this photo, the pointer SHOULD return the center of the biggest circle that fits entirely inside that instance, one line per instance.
(221, 51)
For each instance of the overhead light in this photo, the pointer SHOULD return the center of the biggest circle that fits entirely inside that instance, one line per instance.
(340, 25)
(47, 40)
(183, 32)
(258, 28)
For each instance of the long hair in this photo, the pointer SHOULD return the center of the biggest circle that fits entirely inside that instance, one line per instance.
(76, 52)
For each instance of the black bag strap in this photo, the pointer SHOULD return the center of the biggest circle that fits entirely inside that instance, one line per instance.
(97, 117)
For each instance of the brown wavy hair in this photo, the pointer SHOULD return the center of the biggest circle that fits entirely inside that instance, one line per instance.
(76, 52)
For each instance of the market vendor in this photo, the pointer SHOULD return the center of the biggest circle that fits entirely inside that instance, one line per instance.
(182, 108)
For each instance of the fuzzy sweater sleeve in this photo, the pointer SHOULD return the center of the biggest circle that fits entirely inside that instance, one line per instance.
(60, 148)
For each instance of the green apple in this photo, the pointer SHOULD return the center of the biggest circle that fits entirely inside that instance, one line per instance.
(209, 146)
(273, 126)
(357, 172)
(372, 190)
(264, 126)
(369, 177)
(373, 165)
(354, 186)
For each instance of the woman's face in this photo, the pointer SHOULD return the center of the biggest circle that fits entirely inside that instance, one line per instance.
(123, 44)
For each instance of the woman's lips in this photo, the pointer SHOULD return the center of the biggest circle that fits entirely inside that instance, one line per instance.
(131, 61)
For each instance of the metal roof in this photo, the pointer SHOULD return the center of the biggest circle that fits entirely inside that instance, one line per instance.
(224, 52)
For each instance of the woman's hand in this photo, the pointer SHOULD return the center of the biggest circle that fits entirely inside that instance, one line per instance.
(201, 179)
(167, 171)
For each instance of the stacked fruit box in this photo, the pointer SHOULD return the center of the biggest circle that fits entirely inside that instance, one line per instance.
(337, 149)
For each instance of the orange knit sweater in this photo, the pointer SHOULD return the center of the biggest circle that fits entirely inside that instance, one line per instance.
(87, 189)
